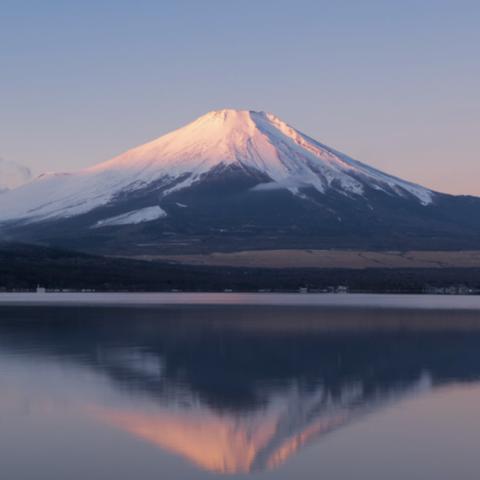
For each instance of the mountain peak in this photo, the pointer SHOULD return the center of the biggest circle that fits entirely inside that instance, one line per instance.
(257, 141)
(259, 144)
(229, 113)
(226, 119)
(238, 119)
(229, 120)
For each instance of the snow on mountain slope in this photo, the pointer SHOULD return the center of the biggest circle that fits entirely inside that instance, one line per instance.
(254, 141)
(12, 175)
(147, 214)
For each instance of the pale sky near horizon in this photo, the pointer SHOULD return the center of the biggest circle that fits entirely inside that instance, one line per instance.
(393, 84)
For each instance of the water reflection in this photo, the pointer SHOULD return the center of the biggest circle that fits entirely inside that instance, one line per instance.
(239, 390)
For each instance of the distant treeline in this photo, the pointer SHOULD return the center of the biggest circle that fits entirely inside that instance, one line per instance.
(23, 267)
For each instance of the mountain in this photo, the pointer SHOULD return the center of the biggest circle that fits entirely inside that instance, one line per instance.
(12, 175)
(235, 180)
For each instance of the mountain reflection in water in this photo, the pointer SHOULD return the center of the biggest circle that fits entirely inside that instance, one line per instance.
(238, 390)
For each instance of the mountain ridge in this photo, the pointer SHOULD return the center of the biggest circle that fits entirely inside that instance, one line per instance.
(236, 179)
(252, 140)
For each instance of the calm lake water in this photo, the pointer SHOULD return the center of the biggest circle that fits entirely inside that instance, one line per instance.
(260, 391)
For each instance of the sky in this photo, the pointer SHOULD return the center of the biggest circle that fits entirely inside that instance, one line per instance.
(393, 84)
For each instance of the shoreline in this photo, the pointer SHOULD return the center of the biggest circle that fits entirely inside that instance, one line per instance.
(350, 300)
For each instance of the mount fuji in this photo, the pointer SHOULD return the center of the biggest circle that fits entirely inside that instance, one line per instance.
(235, 180)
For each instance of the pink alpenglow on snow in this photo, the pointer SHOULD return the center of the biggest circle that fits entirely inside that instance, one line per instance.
(253, 140)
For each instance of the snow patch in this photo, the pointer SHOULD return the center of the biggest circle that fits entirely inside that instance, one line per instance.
(268, 186)
(134, 217)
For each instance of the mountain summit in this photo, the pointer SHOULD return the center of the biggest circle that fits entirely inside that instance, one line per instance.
(254, 141)
(236, 178)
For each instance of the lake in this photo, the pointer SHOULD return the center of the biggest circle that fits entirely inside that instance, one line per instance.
(201, 387)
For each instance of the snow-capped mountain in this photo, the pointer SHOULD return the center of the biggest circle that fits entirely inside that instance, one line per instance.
(12, 175)
(226, 176)
(252, 141)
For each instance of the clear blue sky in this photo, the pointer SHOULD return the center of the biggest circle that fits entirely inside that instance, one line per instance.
(392, 83)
